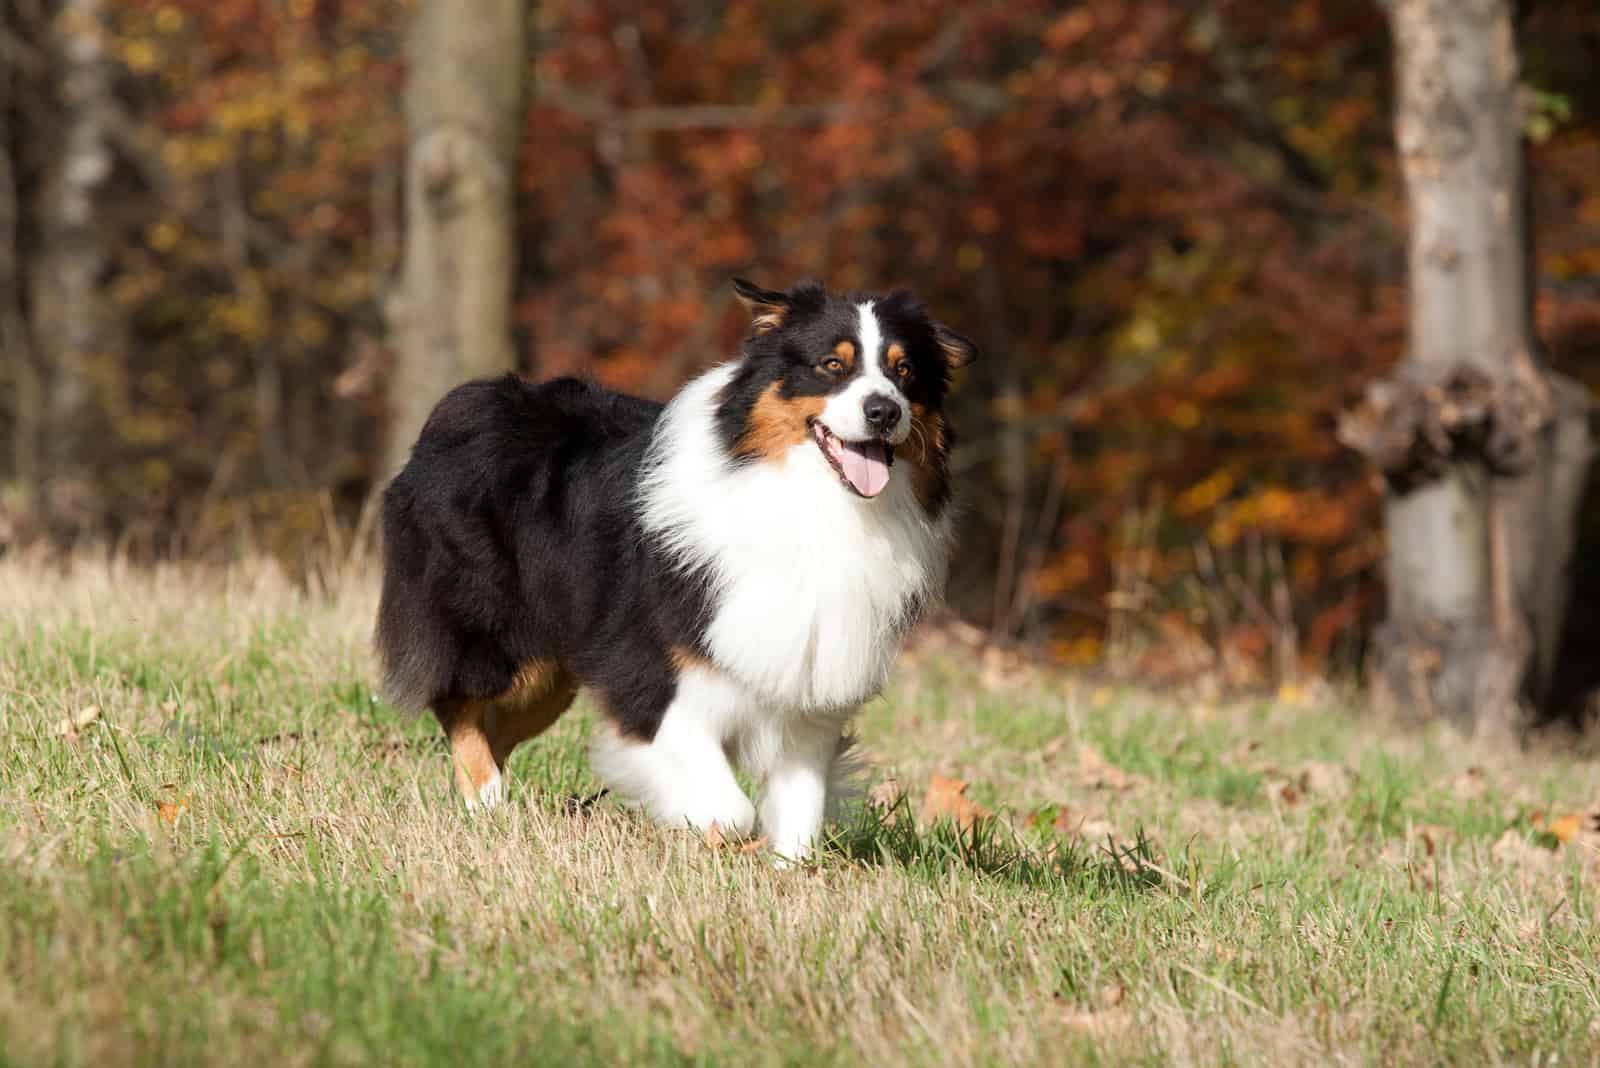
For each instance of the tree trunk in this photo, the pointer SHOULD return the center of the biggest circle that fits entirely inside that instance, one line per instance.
(75, 327)
(1483, 451)
(463, 110)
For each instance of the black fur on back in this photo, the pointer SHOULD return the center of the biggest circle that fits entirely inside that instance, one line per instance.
(512, 536)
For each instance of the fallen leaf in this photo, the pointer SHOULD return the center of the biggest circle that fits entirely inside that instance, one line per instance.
(1323, 778)
(1063, 820)
(71, 725)
(1514, 850)
(1097, 771)
(1432, 836)
(1470, 784)
(947, 799)
(1565, 828)
(1110, 1019)
(171, 810)
(754, 845)
(714, 838)
(1095, 830)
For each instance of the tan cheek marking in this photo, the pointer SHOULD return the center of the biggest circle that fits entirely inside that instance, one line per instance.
(777, 424)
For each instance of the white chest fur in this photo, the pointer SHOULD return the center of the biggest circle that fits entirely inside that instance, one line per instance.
(811, 585)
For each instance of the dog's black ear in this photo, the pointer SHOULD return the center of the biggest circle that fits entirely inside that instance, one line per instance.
(767, 306)
(958, 351)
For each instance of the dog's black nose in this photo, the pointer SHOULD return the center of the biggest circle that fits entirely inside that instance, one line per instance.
(882, 412)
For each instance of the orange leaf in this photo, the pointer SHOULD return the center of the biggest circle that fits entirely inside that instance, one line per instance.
(71, 725)
(169, 811)
(947, 799)
(1565, 828)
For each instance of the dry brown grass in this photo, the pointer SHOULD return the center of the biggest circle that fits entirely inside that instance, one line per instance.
(241, 855)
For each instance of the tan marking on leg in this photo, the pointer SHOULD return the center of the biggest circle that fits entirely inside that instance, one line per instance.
(470, 751)
(542, 691)
(483, 732)
(777, 424)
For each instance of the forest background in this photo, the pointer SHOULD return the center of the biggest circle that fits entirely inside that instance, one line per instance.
(1177, 231)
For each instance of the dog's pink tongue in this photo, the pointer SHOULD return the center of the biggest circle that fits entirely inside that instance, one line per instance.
(866, 466)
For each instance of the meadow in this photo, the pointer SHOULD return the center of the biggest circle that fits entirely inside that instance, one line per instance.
(217, 845)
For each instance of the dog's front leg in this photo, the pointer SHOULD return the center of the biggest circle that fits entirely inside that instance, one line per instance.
(795, 798)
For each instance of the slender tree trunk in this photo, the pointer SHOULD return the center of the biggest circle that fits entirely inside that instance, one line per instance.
(1483, 451)
(463, 110)
(74, 325)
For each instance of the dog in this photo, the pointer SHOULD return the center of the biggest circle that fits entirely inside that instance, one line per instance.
(730, 575)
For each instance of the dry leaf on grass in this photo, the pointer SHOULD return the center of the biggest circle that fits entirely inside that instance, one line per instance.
(1097, 771)
(1110, 1018)
(69, 726)
(1432, 836)
(1283, 791)
(1323, 779)
(1512, 849)
(1565, 828)
(1470, 784)
(169, 811)
(947, 799)
(715, 838)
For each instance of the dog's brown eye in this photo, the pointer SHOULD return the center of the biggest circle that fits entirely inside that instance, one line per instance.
(833, 365)
(902, 370)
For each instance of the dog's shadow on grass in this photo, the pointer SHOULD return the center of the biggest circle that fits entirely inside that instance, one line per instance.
(991, 848)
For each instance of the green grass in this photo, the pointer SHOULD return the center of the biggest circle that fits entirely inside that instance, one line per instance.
(242, 855)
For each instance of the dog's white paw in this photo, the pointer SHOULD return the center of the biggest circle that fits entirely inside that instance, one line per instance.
(491, 794)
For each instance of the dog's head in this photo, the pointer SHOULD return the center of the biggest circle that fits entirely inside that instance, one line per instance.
(862, 378)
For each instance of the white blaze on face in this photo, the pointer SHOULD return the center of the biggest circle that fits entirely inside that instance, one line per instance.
(844, 413)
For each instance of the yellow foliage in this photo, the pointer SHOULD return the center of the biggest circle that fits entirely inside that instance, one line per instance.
(1204, 495)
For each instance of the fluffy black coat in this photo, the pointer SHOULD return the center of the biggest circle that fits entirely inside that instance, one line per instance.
(512, 493)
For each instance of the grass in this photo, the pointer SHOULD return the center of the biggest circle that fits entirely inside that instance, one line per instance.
(240, 853)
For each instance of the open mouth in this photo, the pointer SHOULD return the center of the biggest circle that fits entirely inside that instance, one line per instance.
(863, 466)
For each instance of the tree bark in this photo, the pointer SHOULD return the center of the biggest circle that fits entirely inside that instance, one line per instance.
(1483, 451)
(75, 327)
(452, 320)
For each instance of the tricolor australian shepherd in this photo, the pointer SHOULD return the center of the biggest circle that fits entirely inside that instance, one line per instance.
(730, 575)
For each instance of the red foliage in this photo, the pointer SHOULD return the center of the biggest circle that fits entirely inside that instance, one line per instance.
(1176, 231)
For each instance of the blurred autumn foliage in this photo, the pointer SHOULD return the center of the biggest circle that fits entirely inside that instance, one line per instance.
(1176, 229)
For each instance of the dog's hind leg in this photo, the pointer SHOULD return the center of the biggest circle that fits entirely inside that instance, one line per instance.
(483, 732)
(465, 723)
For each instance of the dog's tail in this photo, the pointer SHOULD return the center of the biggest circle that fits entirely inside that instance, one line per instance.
(415, 649)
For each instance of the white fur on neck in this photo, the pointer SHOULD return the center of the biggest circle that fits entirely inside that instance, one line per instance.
(811, 585)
